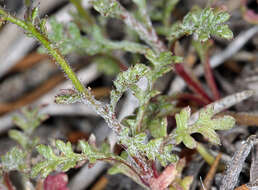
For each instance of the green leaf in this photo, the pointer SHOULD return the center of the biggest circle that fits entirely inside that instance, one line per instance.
(42, 26)
(153, 150)
(68, 39)
(223, 31)
(34, 14)
(202, 24)
(46, 151)
(107, 7)
(207, 126)
(21, 123)
(64, 161)
(41, 167)
(65, 148)
(162, 63)
(67, 96)
(15, 159)
(158, 127)
(32, 119)
(92, 153)
(182, 131)
(107, 65)
(20, 137)
(127, 80)
(118, 167)
(204, 125)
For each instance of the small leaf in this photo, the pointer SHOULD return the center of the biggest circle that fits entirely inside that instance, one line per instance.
(207, 126)
(20, 137)
(107, 7)
(41, 167)
(34, 14)
(162, 63)
(127, 80)
(46, 151)
(32, 119)
(158, 127)
(223, 31)
(66, 160)
(42, 26)
(15, 159)
(67, 96)
(65, 148)
(20, 122)
(182, 130)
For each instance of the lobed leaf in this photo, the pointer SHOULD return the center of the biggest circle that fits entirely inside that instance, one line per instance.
(64, 161)
(202, 24)
(204, 125)
(207, 126)
(31, 120)
(127, 80)
(15, 159)
(20, 137)
(182, 133)
(107, 7)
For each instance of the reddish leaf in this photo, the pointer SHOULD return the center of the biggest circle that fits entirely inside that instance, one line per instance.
(56, 182)
(165, 179)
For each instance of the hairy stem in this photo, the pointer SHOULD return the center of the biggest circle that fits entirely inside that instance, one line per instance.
(87, 97)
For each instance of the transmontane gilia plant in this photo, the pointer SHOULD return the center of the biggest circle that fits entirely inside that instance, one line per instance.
(144, 137)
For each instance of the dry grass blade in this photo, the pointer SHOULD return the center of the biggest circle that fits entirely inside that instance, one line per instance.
(243, 118)
(234, 168)
(254, 165)
(225, 103)
(209, 177)
(101, 184)
(28, 62)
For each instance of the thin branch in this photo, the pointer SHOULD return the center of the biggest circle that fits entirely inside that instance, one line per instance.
(191, 83)
(210, 77)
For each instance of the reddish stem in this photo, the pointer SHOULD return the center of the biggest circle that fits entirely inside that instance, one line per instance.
(8, 182)
(154, 168)
(191, 83)
(210, 78)
(129, 166)
(140, 163)
(196, 98)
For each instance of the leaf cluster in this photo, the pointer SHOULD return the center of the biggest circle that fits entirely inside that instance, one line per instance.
(202, 24)
(143, 135)
(18, 158)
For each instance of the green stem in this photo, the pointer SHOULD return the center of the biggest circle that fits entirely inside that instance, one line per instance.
(82, 11)
(87, 97)
(207, 156)
(51, 49)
